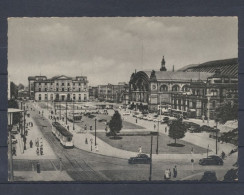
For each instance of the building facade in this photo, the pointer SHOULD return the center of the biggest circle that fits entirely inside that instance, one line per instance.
(204, 97)
(114, 93)
(191, 92)
(59, 88)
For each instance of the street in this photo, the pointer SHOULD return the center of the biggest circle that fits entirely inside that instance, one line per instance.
(81, 165)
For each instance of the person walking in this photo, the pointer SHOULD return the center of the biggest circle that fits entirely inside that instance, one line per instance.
(31, 143)
(140, 150)
(175, 172)
(166, 129)
(37, 151)
(154, 126)
(203, 118)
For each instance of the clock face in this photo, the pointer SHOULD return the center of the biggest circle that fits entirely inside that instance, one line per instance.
(154, 86)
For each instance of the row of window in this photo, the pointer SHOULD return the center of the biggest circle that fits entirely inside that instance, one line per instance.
(57, 89)
(68, 84)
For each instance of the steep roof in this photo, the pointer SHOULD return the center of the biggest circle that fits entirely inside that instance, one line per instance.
(227, 67)
(180, 76)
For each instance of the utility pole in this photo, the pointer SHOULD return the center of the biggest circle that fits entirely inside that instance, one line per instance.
(60, 110)
(24, 130)
(11, 176)
(66, 112)
(95, 131)
(73, 115)
(159, 121)
(150, 173)
(216, 141)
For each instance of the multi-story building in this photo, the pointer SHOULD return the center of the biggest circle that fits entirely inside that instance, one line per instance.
(152, 88)
(113, 93)
(58, 88)
(198, 90)
(204, 97)
(93, 93)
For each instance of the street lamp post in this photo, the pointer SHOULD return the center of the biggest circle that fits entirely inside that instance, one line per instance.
(66, 112)
(216, 131)
(150, 171)
(10, 124)
(24, 130)
(208, 113)
(95, 131)
(73, 115)
(158, 122)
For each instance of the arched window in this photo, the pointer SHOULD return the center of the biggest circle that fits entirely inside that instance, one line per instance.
(163, 88)
(185, 88)
(175, 88)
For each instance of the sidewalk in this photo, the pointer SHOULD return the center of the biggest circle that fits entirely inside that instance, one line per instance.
(30, 153)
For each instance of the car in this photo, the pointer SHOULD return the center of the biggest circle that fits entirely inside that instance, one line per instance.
(209, 176)
(194, 128)
(14, 131)
(126, 113)
(14, 140)
(165, 120)
(211, 160)
(140, 116)
(144, 117)
(140, 159)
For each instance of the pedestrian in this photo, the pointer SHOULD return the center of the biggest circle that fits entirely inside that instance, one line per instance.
(85, 127)
(191, 150)
(31, 143)
(37, 151)
(154, 126)
(140, 150)
(169, 173)
(136, 120)
(203, 118)
(90, 127)
(96, 147)
(14, 151)
(175, 172)
(223, 155)
(166, 129)
(86, 142)
(166, 174)
(41, 150)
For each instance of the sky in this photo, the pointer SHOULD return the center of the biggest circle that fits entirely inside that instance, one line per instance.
(109, 50)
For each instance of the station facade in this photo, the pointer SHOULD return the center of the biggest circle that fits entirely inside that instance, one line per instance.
(195, 93)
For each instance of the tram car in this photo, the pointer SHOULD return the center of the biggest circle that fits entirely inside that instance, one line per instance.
(63, 135)
(76, 117)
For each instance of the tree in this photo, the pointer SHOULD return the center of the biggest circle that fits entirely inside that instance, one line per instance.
(21, 86)
(115, 124)
(226, 111)
(13, 90)
(177, 130)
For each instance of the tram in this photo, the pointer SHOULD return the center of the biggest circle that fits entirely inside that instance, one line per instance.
(63, 135)
(76, 117)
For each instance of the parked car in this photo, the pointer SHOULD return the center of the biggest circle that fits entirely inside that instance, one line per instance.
(194, 128)
(211, 160)
(140, 159)
(165, 120)
(126, 113)
(14, 131)
(144, 117)
(140, 116)
(14, 140)
(209, 176)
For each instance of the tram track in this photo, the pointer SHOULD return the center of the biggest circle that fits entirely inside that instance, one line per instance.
(77, 168)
